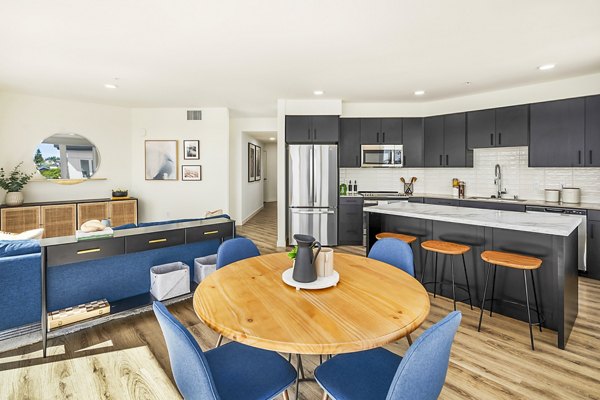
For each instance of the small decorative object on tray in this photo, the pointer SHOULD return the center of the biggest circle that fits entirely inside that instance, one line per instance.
(311, 270)
(82, 312)
(118, 194)
(93, 229)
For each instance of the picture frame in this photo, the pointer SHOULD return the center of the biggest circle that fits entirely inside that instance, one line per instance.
(161, 160)
(191, 172)
(251, 162)
(258, 165)
(191, 149)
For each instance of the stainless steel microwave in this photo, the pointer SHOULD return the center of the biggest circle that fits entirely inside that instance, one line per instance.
(381, 155)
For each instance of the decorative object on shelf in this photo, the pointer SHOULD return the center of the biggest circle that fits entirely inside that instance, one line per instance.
(409, 187)
(82, 312)
(324, 262)
(120, 193)
(13, 183)
(214, 213)
(251, 162)
(67, 157)
(343, 189)
(92, 225)
(161, 160)
(258, 174)
(191, 172)
(304, 263)
(191, 149)
(462, 189)
(571, 195)
(93, 229)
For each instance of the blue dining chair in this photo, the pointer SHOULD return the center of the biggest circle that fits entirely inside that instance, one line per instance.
(394, 252)
(233, 371)
(236, 249)
(381, 374)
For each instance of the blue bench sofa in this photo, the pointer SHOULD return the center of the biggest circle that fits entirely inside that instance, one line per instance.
(114, 278)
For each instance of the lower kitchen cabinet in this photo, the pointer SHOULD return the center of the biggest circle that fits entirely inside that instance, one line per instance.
(593, 246)
(350, 225)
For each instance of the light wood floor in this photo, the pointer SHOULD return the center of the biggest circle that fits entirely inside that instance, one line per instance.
(127, 359)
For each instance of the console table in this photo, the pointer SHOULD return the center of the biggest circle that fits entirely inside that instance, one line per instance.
(62, 251)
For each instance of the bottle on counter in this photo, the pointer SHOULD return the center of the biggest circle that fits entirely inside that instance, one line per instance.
(355, 187)
(350, 187)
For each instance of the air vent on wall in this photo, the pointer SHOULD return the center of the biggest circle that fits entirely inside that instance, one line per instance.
(194, 115)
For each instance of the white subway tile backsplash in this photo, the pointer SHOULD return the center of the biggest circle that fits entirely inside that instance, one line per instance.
(518, 179)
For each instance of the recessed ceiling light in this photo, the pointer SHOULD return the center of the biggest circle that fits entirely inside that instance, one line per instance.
(318, 92)
(271, 138)
(110, 86)
(419, 92)
(467, 82)
(546, 67)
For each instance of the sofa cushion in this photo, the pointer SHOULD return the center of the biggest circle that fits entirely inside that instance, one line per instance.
(31, 234)
(126, 226)
(11, 248)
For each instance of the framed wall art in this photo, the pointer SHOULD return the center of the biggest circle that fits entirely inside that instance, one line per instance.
(258, 167)
(160, 160)
(191, 172)
(251, 162)
(191, 149)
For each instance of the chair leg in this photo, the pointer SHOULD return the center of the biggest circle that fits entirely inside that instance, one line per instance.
(298, 368)
(409, 339)
(487, 276)
(285, 395)
(528, 311)
(325, 396)
(219, 341)
(290, 357)
(453, 289)
(537, 309)
(467, 280)
(320, 359)
(493, 290)
(424, 266)
(435, 276)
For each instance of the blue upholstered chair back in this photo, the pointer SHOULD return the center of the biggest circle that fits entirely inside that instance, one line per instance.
(190, 368)
(422, 372)
(234, 250)
(394, 252)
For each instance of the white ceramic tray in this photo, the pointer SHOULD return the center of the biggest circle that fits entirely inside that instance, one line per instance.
(321, 282)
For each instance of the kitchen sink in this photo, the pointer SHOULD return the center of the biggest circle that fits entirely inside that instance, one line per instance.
(495, 199)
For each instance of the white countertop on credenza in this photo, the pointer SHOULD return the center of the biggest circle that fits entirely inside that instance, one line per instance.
(550, 224)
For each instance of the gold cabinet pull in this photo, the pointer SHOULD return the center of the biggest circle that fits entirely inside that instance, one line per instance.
(88, 251)
(211, 232)
(157, 241)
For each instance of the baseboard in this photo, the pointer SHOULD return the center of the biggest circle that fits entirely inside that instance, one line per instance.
(253, 214)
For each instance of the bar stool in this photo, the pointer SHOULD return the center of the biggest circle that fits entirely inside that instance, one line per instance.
(515, 261)
(447, 249)
(400, 236)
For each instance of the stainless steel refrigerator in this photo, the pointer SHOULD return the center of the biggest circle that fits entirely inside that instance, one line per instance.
(312, 192)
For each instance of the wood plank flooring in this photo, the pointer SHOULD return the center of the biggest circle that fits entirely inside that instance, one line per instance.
(127, 359)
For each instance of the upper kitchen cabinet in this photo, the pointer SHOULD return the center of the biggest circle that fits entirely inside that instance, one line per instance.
(412, 138)
(446, 141)
(381, 130)
(592, 131)
(349, 143)
(557, 133)
(311, 129)
(500, 127)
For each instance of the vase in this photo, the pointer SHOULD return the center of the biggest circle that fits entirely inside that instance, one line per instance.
(14, 199)
(304, 263)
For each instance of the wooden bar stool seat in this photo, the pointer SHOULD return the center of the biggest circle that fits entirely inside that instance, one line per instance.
(450, 249)
(514, 261)
(400, 236)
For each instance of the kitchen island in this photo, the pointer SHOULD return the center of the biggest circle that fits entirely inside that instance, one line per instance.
(553, 238)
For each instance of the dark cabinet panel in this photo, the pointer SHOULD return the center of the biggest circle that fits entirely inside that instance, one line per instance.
(434, 141)
(455, 140)
(556, 137)
(592, 131)
(349, 143)
(297, 129)
(391, 131)
(441, 202)
(370, 130)
(491, 205)
(512, 126)
(412, 138)
(481, 127)
(593, 249)
(325, 128)
(350, 225)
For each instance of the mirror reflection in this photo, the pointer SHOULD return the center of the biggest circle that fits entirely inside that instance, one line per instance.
(66, 156)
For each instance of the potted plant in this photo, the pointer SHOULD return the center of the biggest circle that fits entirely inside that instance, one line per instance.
(13, 183)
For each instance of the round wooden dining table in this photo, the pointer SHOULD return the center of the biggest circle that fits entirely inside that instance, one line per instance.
(373, 304)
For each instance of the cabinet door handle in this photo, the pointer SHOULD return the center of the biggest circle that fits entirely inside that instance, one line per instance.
(590, 157)
(315, 134)
(308, 137)
(579, 157)
(88, 251)
(404, 161)
(447, 159)
(357, 161)
(491, 139)
(377, 137)
(440, 159)
(162, 240)
(383, 140)
(499, 138)
(211, 232)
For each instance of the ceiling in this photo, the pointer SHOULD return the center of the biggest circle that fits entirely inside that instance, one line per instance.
(246, 54)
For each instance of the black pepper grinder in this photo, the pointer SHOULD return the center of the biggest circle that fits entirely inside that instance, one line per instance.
(355, 187)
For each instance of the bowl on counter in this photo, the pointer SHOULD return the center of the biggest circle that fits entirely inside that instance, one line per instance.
(552, 195)
(571, 195)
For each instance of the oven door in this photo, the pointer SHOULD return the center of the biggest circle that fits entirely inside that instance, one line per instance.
(377, 156)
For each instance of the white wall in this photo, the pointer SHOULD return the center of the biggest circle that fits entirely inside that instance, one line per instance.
(252, 192)
(161, 200)
(26, 120)
(270, 185)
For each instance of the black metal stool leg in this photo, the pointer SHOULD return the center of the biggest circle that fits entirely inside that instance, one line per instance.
(453, 290)
(537, 309)
(467, 280)
(493, 289)
(528, 310)
(298, 368)
(487, 276)
(435, 276)
(424, 266)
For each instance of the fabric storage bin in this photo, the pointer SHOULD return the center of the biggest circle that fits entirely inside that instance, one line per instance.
(204, 266)
(169, 280)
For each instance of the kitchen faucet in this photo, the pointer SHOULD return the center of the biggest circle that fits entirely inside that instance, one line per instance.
(498, 181)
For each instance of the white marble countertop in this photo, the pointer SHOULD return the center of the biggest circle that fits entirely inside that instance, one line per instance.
(550, 224)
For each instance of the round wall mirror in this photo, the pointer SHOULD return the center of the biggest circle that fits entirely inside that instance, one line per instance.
(66, 156)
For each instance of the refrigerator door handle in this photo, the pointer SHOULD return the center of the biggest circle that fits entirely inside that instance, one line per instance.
(311, 178)
(312, 212)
